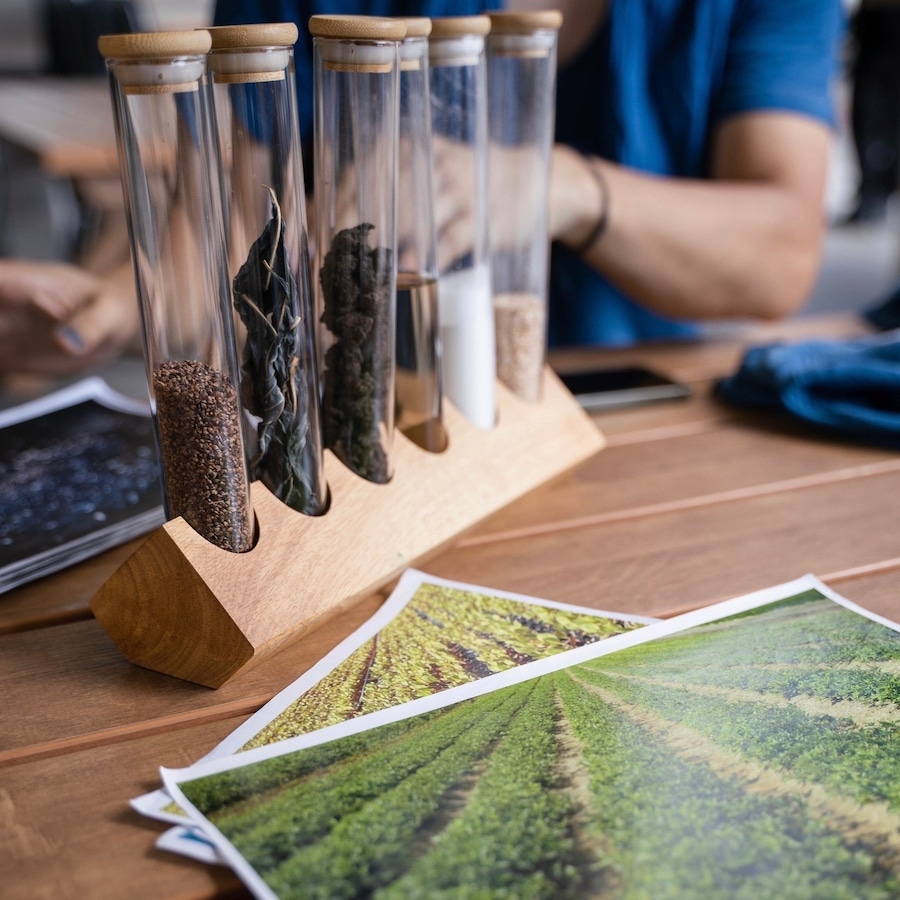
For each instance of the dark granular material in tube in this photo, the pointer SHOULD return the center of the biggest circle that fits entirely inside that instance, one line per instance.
(202, 452)
(358, 393)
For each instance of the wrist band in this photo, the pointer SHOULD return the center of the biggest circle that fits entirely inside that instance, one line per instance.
(603, 219)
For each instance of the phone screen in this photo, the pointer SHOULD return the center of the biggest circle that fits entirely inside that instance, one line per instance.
(622, 386)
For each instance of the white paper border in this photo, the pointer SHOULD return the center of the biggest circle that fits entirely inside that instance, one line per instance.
(173, 777)
(94, 388)
(153, 804)
(409, 583)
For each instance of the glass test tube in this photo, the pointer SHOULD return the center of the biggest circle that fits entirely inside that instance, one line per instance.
(521, 58)
(168, 155)
(419, 390)
(252, 72)
(458, 81)
(356, 77)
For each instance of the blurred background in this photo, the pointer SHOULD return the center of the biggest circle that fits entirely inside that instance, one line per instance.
(22, 24)
(51, 90)
(56, 202)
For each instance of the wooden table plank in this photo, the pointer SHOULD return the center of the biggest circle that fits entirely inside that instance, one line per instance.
(61, 597)
(683, 471)
(664, 563)
(91, 695)
(879, 593)
(68, 833)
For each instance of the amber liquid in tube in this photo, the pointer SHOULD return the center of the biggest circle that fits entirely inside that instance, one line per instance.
(418, 363)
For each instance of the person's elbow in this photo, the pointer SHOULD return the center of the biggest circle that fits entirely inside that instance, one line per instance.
(789, 267)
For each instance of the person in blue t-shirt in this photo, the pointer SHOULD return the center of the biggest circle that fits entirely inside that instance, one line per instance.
(696, 131)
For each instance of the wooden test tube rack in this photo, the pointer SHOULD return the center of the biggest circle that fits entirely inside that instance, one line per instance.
(182, 606)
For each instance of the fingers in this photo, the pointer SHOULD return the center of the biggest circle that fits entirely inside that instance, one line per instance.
(100, 328)
(57, 319)
(56, 289)
(454, 241)
(35, 299)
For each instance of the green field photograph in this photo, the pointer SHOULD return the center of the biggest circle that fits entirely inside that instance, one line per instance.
(754, 756)
(429, 636)
(444, 636)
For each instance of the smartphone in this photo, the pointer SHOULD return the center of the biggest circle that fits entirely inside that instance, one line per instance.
(613, 388)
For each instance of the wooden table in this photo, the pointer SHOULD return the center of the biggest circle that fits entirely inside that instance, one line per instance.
(690, 503)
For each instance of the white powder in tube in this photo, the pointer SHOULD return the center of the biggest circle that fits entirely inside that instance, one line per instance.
(467, 338)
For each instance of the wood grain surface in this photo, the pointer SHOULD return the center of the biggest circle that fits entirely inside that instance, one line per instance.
(690, 503)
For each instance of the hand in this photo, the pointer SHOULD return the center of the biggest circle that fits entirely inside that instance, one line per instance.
(56, 318)
(517, 199)
(456, 193)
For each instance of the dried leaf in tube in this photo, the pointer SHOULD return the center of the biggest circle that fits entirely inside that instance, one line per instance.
(273, 383)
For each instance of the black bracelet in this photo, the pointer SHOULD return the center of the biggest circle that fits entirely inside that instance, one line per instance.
(603, 219)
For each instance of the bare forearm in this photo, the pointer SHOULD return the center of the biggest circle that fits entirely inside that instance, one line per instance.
(746, 243)
(691, 249)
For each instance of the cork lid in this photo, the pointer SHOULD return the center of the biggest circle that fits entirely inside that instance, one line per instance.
(247, 54)
(358, 44)
(154, 44)
(416, 26)
(239, 37)
(460, 26)
(357, 28)
(157, 62)
(524, 35)
(525, 22)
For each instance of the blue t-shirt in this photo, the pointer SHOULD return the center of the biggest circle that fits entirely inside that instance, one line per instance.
(646, 92)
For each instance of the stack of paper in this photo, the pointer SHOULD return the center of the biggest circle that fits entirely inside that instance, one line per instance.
(78, 475)
(747, 749)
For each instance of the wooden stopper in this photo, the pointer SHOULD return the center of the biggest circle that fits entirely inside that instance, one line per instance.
(458, 40)
(357, 28)
(240, 37)
(417, 26)
(524, 35)
(157, 62)
(525, 22)
(460, 26)
(412, 53)
(358, 44)
(248, 54)
(154, 44)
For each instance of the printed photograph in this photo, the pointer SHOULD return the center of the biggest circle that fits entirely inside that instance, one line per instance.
(753, 756)
(430, 635)
(444, 637)
(73, 481)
